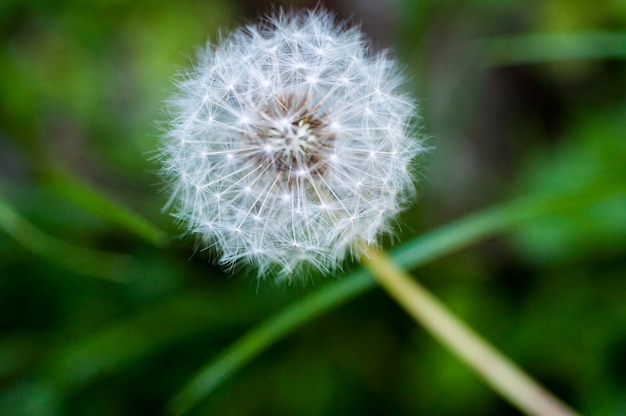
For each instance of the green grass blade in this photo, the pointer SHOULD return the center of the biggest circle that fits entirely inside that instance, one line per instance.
(421, 250)
(267, 333)
(81, 260)
(539, 48)
(75, 365)
(104, 207)
(414, 253)
(88, 359)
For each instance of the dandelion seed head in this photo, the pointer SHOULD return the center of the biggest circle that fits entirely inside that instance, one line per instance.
(289, 144)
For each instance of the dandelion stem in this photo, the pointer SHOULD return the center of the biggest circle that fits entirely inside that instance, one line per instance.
(496, 369)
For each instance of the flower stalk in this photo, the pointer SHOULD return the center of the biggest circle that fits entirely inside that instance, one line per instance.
(497, 370)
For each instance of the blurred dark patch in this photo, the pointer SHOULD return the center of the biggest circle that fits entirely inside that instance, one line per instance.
(512, 278)
(615, 361)
(13, 167)
(26, 304)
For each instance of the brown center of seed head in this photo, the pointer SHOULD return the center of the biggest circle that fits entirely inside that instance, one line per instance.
(292, 138)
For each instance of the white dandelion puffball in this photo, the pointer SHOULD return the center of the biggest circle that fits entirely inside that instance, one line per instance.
(289, 144)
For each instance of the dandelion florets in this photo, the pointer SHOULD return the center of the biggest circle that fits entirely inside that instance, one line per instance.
(289, 144)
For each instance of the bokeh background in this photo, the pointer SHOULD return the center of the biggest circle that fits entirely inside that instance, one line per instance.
(81, 92)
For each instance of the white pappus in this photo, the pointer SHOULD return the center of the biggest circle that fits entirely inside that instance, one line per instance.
(289, 144)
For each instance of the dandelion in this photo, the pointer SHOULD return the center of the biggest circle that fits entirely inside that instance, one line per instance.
(290, 145)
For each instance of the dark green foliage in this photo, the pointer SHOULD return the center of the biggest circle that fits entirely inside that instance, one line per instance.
(81, 87)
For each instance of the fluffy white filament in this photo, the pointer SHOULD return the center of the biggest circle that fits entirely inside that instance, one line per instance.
(289, 144)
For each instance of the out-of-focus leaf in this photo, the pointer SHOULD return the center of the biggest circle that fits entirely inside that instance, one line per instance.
(591, 157)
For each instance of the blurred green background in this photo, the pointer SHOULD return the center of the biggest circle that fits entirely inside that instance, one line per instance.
(84, 332)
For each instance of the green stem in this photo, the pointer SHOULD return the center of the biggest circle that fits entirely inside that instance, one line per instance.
(495, 368)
